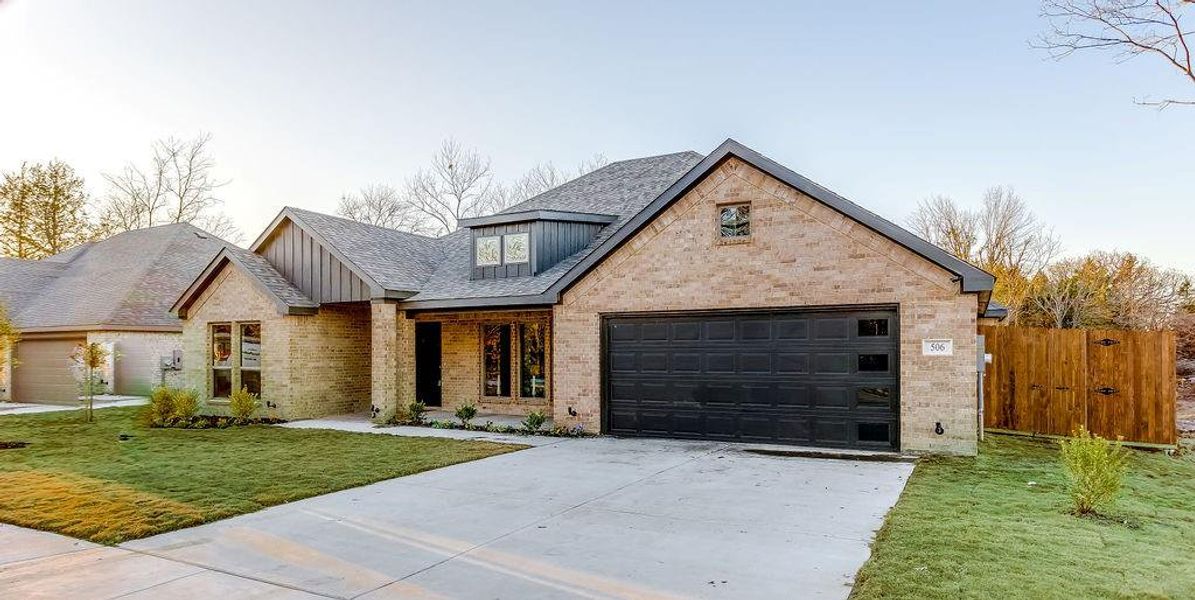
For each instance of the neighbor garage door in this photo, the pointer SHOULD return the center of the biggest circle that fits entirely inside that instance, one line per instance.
(822, 378)
(42, 372)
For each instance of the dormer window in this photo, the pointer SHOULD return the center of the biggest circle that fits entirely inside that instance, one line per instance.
(489, 251)
(516, 247)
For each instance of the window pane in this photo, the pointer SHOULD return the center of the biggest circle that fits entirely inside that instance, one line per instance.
(251, 345)
(251, 381)
(735, 220)
(532, 370)
(222, 345)
(496, 350)
(221, 383)
(873, 363)
(873, 396)
(516, 247)
(873, 327)
(489, 251)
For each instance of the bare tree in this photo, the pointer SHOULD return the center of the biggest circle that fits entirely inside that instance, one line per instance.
(382, 205)
(1129, 28)
(1002, 237)
(1140, 295)
(1067, 295)
(457, 185)
(179, 186)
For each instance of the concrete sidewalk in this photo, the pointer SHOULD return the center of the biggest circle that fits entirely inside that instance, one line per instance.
(27, 408)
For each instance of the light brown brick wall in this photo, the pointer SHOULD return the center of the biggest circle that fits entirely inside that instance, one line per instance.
(312, 365)
(802, 253)
(461, 359)
(393, 363)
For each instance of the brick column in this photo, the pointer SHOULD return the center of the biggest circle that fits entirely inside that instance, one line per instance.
(392, 365)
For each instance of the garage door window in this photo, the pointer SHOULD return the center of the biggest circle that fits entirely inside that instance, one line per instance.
(496, 359)
(873, 327)
(221, 360)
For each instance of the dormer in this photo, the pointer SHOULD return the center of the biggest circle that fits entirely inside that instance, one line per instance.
(528, 243)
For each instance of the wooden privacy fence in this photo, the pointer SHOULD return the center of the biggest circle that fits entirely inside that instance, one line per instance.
(1051, 381)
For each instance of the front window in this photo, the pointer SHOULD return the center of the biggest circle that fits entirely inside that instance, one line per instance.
(532, 381)
(251, 357)
(221, 360)
(735, 221)
(496, 358)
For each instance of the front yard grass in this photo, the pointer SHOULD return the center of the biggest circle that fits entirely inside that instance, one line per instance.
(998, 526)
(78, 479)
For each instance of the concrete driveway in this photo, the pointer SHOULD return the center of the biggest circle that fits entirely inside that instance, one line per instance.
(589, 518)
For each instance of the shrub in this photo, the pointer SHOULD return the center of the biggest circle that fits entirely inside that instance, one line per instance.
(466, 413)
(534, 420)
(242, 404)
(186, 404)
(1095, 468)
(160, 409)
(416, 410)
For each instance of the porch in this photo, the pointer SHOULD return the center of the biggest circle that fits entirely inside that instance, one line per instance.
(498, 361)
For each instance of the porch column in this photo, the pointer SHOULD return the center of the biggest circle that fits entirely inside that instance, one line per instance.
(392, 362)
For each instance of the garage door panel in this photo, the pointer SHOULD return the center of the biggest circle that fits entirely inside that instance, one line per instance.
(785, 376)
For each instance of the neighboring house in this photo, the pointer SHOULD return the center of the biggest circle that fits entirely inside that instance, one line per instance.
(719, 297)
(116, 292)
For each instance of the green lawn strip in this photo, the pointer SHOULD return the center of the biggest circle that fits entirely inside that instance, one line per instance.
(976, 528)
(79, 479)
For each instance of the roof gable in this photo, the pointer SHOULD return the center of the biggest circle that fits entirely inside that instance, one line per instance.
(971, 279)
(288, 299)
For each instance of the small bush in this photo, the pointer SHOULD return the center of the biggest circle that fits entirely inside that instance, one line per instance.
(160, 409)
(186, 404)
(466, 413)
(443, 424)
(534, 420)
(242, 404)
(416, 411)
(1095, 468)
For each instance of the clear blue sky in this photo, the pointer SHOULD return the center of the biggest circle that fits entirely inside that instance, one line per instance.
(884, 102)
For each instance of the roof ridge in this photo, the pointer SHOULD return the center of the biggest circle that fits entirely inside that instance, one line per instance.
(360, 223)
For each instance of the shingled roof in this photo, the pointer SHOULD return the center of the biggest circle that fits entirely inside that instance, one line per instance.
(432, 273)
(129, 280)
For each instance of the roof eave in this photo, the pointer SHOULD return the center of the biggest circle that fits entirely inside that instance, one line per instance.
(223, 258)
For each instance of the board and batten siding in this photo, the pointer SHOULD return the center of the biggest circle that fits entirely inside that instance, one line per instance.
(312, 268)
(551, 242)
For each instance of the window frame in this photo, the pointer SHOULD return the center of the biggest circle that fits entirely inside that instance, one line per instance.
(240, 362)
(212, 367)
(477, 242)
(505, 360)
(526, 235)
(543, 361)
(235, 367)
(740, 223)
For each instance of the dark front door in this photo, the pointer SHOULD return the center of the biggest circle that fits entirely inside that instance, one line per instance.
(427, 363)
(812, 377)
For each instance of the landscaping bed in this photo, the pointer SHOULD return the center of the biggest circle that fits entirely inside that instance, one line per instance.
(999, 526)
(81, 479)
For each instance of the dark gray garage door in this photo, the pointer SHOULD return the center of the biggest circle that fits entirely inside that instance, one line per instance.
(823, 378)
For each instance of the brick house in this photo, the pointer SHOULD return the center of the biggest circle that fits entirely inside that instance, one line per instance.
(116, 292)
(719, 297)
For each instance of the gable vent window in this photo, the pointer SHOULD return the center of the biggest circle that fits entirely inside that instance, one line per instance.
(734, 221)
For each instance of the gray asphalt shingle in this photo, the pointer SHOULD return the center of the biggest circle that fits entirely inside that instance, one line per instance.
(131, 278)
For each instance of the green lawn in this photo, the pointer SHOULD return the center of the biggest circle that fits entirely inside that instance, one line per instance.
(977, 528)
(80, 480)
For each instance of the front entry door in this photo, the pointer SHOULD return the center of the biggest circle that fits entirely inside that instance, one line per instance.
(427, 363)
